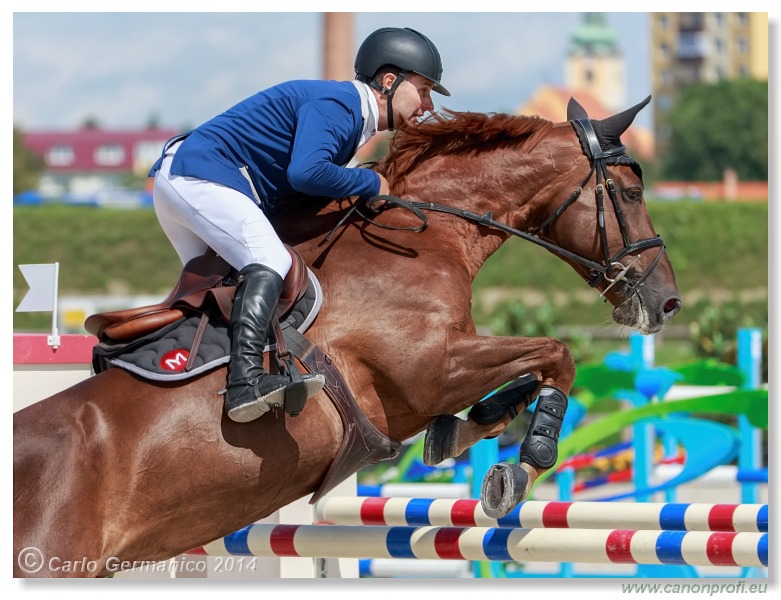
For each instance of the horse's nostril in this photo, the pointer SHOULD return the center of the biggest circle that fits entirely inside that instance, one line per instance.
(672, 305)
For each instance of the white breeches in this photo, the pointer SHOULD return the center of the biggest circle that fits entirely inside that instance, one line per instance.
(197, 215)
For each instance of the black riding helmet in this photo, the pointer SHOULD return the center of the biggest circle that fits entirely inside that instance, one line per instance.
(403, 48)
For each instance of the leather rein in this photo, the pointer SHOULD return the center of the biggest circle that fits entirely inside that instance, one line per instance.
(611, 270)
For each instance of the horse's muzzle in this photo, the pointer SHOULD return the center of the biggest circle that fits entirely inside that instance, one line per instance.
(647, 311)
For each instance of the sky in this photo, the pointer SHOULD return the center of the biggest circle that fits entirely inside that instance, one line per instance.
(179, 68)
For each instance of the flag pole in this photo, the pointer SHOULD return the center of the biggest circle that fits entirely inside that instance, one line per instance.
(54, 338)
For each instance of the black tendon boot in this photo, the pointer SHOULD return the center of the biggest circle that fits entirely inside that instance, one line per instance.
(251, 392)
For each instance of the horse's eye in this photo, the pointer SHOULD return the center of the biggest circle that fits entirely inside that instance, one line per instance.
(633, 194)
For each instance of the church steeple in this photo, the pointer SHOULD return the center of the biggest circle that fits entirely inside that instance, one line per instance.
(594, 37)
(595, 63)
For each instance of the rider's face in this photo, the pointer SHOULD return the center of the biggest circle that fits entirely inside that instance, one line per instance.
(411, 100)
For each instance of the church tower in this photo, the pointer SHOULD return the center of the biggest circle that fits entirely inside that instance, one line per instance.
(595, 64)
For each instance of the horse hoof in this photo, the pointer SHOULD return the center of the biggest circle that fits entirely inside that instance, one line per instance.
(440, 442)
(504, 487)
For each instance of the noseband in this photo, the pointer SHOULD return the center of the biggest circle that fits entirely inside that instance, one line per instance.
(611, 270)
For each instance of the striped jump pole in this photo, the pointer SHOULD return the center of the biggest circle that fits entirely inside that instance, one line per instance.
(698, 548)
(538, 514)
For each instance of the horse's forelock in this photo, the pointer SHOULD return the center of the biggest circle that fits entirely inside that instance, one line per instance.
(450, 132)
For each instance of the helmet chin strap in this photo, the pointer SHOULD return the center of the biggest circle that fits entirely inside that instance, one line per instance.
(389, 92)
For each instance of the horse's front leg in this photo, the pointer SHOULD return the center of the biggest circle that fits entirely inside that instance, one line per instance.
(482, 363)
(479, 364)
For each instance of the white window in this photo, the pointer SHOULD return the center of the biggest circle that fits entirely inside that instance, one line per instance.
(60, 156)
(109, 156)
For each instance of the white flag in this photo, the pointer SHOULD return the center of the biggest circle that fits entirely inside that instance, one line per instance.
(42, 280)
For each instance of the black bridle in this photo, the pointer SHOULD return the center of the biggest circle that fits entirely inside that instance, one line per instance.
(600, 159)
(611, 270)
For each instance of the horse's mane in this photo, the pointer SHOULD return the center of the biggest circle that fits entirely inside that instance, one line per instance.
(450, 132)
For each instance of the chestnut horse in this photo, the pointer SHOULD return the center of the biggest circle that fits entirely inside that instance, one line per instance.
(120, 467)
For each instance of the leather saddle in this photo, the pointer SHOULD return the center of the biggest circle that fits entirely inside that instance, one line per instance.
(207, 285)
(205, 280)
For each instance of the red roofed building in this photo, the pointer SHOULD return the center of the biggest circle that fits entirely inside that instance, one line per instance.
(88, 161)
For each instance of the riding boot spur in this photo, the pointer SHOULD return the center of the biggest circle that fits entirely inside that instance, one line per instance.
(251, 392)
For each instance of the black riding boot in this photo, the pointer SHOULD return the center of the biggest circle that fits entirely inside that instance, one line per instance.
(251, 392)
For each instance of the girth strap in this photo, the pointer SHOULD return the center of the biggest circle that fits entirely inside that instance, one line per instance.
(362, 444)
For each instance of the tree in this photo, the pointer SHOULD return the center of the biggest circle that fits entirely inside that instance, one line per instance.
(28, 166)
(714, 127)
(90, 123)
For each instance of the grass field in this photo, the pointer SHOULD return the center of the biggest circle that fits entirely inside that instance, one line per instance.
(719, 252)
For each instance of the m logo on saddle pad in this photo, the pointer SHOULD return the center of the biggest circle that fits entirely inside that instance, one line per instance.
(163, 355)
(175, 360)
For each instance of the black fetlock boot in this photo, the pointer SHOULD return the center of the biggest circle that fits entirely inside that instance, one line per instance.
(251, 392)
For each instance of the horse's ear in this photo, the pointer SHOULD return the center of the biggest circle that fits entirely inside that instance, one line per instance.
(575, 110)
(612, 127)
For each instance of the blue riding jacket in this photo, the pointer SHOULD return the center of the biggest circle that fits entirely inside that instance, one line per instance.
(292, 137)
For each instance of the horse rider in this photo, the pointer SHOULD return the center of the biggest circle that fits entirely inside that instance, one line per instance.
(213, 184)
